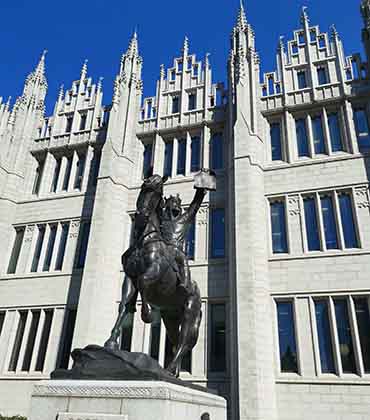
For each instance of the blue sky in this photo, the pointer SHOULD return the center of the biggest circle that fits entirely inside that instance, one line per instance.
(99, 30)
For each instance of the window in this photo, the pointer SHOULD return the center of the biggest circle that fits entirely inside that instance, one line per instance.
(67, 173)
(195, 154)
(80, 171)
(318, 135)
(54, 184)
(190, 242)
(287, 340)
(295, 49)
(147, 159)
(275, 135)
(69, 326)
(172, 75)
(38, 176)
(50, 247)
(195, 70)
(302, 79)
(313, 35)
(347, 219)
(344, 336)
(18, 341)
(264, 91)
(69, 124)
(44, 341)
(149, 109)
(155, 335)
(83, 121)
(179, 66)
(181, 157)
(312, 229)
(363, 323)
(324, 336)
(362, 129)
(168, 157)
(2, 320)
(175, 105)
(31, 340)
(127, 328)
(218, 337)
(278, 228)
(271, 85)
(83, 242)
(355, 72)
(62, 246)
(192, 101)
(335, 133)
(302, 139)
(14, 257)
(217, 151)
(278, 88)
(322, 42)
(301, 38)
(218, 233)
(322, 77)
(37, 254)
(328, 216)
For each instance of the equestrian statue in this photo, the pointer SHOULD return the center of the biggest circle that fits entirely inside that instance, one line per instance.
(157, 268)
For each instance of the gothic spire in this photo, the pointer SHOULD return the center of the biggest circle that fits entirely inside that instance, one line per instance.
(84, 70)
(185, 47)
(133, 48)
(304, 16)
(241, 23)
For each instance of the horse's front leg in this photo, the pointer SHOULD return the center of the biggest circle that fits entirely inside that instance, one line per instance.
(151, 275)
(127, 305)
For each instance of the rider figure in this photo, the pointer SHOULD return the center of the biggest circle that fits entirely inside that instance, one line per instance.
(174, 228)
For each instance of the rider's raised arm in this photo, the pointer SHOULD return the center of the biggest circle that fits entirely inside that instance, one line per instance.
(195, 204)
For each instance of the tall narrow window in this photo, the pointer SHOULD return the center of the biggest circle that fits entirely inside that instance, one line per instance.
(295, 49)
(355, 72)
(168, 157)
(301, 38)
(287, 339)
(80, 171)
(83, 121)
(362, 129)
(147, 159)
(344, 336)
(302, 139)
(322, 42)
(348, 221)
(50, 247)
(192, 101)
(302, 79)
(37, 254)
(195, 154)
(62, 246)
(330, 228)
(318, 135)
(218, 233)
(18, 341)
(181, 157)
(335, 133)
(69, 124)
(313, 35)
(324, 336)
(31, 341)
(54, 184)
(67, 173)
(363, 323)
(149, 109)
(155, 335)
(175, 105)
(70, 321)
(271, 86)
(38, 176)
(275, 135)
(14, 257)
(190, 242)
(127, 329)
(322, 76)
(217, 160)
(2, 320)
(278, 228)
(312, 230)
(44, 341)
(195, 70)
(218, 338)
(84, 240)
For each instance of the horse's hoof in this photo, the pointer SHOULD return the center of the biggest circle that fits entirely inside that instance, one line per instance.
(174, 370)
(111, 345)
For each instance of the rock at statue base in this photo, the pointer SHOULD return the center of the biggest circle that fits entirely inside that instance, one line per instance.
(123, 400)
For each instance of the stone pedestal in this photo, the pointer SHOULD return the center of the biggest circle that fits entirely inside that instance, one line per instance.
(123, 400)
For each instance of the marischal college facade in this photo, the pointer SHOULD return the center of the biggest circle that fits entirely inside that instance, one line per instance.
(281, 251)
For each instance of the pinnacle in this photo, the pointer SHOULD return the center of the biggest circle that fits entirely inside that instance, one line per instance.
(84, 69)
(242, 22)
(133, 48)
(304, 15)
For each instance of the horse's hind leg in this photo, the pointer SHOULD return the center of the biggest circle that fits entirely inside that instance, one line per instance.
(189, 331)
(127, 305)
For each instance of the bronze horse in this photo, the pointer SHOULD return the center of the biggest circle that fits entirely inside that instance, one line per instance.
(152, 271)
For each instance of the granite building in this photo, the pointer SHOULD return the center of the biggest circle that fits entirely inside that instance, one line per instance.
(281, 251)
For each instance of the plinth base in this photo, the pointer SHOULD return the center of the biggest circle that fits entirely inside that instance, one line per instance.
(123, 400)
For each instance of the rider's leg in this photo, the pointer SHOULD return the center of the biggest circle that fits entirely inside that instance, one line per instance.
(185, 279)
(127, 305)
(152, 274)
